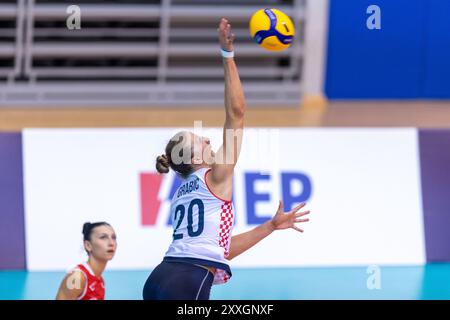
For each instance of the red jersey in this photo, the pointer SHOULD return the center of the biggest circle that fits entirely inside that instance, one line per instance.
(95, 286)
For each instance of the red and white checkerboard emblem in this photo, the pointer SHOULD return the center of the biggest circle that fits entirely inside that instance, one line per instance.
(226, 224)
(221, 277)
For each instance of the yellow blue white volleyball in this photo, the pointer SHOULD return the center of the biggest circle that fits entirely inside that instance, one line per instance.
(272, 29)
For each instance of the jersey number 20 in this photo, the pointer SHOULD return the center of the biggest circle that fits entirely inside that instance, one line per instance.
(180, 212)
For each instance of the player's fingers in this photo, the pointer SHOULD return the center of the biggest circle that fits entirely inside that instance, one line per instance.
(297, 229)
(280, 206)
(223, 23)
(301, 220)
(301, 214)
(301, 205)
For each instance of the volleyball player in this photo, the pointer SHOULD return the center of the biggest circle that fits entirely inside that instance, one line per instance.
(85, 281)
(201, 208)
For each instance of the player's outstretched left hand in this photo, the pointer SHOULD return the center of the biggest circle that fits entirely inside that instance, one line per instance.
(284, 220)
(226, 37)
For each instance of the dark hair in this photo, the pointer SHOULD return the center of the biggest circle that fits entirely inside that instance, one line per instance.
(89, 227)
(164, 162)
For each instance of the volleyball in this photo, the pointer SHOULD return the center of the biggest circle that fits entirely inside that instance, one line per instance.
(272, 29)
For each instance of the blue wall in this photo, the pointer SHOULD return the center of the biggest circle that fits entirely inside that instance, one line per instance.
(437, 83)
(407, 58)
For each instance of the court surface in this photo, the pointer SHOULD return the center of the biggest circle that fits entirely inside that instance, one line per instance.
(431, 281)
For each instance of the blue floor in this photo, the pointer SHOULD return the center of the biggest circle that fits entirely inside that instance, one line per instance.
(420, 282)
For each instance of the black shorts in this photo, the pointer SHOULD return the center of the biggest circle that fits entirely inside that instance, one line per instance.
(178, 281)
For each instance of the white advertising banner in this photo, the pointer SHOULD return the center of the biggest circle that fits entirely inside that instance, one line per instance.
(361, 185)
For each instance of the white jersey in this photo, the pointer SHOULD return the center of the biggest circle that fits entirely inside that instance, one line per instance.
(202, 224)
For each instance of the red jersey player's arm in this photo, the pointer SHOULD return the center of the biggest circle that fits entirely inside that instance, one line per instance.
(72, 286)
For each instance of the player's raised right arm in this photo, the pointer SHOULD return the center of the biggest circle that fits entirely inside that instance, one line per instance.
(228, 153)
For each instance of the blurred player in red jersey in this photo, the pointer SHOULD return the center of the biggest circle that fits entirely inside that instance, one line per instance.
(85, 281)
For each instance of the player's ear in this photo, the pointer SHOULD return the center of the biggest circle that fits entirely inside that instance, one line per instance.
(88, 246)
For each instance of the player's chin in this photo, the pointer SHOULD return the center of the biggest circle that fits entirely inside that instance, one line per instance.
(109, 255)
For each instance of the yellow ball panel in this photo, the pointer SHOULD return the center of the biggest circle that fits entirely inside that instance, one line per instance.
(259, 21)
(273, 44)
(284, 23)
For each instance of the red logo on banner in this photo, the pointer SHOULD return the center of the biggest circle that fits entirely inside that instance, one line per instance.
(150, 204)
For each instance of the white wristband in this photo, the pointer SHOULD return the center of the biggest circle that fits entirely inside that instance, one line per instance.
(227, 54)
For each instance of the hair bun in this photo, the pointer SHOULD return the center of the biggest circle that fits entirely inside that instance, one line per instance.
(86, 228)
(162, 164)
